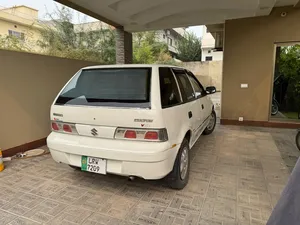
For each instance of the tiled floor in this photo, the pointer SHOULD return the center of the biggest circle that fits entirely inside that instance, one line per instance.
(237, 174)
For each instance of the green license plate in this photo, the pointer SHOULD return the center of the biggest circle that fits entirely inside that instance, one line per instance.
(93, 164)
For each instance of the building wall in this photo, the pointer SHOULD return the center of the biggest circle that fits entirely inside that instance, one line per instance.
(163, 37)
(24, 20)
(208, 44)
(31, 34)
(208, 73)
(22, 11)
(208, 40)
(216, 55)
(28, 86)
(249, 58)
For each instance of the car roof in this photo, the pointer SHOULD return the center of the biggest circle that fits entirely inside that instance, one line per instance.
(129, 66)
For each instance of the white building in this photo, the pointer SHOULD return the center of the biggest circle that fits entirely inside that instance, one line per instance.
(210, 49)
(171, 37)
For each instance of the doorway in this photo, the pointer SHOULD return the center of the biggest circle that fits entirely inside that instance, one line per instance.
(285, 103)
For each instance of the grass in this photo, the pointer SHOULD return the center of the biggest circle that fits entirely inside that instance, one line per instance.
(291, 115)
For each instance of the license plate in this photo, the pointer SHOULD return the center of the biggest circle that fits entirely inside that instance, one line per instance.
(92, 164)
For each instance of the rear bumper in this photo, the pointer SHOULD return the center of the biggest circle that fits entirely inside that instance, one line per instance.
(128, 158)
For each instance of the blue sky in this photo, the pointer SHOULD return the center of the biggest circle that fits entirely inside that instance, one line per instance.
(45, 6)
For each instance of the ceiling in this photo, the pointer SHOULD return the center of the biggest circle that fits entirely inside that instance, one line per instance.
(140, 15)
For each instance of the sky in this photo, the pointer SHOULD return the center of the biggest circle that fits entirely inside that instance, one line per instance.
(48, 6)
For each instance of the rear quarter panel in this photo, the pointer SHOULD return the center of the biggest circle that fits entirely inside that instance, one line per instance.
(177, 123)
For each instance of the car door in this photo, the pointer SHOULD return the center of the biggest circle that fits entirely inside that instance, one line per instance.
(201, 96)
(192, 107)
(173, 110)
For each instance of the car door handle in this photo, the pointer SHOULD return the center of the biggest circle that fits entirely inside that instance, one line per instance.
(202, 106)
(190, 114)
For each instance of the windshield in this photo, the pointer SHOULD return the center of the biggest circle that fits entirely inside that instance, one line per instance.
(128, 87)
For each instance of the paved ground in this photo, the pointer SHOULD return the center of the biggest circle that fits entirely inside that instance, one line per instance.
(237, 175)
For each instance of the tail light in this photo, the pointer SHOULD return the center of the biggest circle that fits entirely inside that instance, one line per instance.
(130, 134)
(152, 135)
(158, 135)
(54, 126)
(61, 127)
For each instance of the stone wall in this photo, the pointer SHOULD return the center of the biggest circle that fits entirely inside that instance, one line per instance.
(208, 73)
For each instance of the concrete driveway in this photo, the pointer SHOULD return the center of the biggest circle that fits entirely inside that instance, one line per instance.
(236, 177)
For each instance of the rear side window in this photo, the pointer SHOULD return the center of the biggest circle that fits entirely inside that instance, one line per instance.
(185, 86)
(169, 93)
(128, 87)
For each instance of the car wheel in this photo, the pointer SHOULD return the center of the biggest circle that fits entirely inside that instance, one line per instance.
(212, 123)
(179, 176)
(274, 109)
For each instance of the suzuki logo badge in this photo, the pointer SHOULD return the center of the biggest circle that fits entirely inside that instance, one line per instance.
(94, 132)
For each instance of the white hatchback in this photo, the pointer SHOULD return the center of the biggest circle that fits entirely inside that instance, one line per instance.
(131, 120)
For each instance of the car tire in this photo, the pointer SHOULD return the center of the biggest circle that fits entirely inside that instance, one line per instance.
(212, 124)
(179, 176)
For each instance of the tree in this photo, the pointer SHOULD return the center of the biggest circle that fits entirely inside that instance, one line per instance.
(289, 67)
(17, 43)
(59, 38)
(189, 48)
(147, 49)
(11, 43)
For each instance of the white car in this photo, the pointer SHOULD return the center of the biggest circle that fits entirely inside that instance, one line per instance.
(131, 120)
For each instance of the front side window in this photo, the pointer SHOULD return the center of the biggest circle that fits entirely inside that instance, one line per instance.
(129, 87)
(169, 93)
(199, 90)
(185, 86)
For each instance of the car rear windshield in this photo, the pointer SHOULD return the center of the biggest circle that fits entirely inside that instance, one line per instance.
(117, 87)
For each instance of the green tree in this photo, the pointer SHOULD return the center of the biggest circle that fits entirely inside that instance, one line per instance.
(11, 43)
(147, 49)
(18, 43)
(59, 38)
(189, 48)
(289, 67)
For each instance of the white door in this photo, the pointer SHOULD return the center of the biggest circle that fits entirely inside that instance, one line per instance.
(192, 107)
(202, 98)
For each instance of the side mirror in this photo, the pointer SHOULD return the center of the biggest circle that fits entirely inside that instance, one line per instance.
(211, 90)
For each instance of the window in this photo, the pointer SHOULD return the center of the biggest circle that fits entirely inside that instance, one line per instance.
(209, 51)
(208, 58)
(185, 86)
(199, 90)
(169, 93)
(16, 34)
(164, 36)
(129, 87)
(170, 41)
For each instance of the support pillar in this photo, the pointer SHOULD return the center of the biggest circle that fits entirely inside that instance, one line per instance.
(123, 46)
